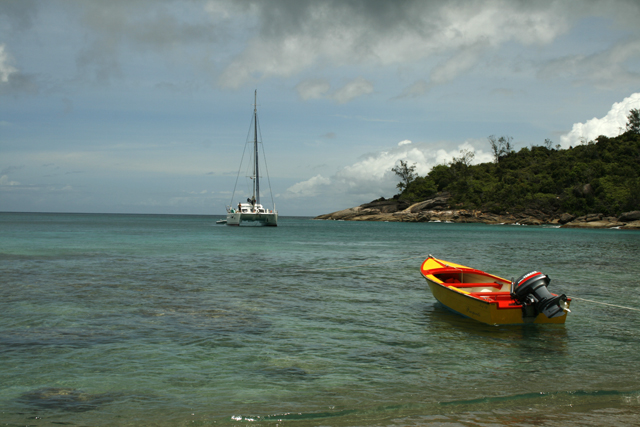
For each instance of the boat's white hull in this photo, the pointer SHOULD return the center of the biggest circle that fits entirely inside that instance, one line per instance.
(238, 218)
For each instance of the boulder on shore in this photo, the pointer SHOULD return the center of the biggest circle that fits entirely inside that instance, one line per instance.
(386, 206)
(440, 202)
(438, 209)
(630, 216)
(633, 225)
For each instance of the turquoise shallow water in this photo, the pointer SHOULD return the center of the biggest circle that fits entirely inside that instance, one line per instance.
(109, 320)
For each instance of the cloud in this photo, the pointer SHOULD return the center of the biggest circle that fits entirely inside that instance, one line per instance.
(182, 33)
(120, 160)
(446, 71)
(4, 180)
(295, 36)
(455, 65)
(613, 124)
(236, 43)
(11, 79)
(352, 90)
(308, 188)
(5, 68)
(10, 169)
(313, 89)
(19, 14)
(321, 88)
(604, 69)
(418, 88)
(371, 176)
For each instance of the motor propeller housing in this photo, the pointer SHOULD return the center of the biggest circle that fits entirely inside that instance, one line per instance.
(531, 289)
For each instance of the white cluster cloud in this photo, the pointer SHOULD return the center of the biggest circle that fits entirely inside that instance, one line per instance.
(371, 177)
(5, 68)
(613, 124)
(308, 188)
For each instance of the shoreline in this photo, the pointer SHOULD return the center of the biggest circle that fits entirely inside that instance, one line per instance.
(388, 211)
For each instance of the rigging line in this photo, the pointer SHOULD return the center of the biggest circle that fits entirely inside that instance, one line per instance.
(264, 155)
(604, 303)
(361, 265)
(250, 169)
(240, 167)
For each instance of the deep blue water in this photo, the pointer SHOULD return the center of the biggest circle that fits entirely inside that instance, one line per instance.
(128, 320)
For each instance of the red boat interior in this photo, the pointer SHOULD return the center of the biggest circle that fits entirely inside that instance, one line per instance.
(479, 285)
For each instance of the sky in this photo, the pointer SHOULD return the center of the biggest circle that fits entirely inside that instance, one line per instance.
(140, 106)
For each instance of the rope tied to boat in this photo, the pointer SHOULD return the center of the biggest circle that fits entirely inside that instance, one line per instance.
(604, 303)
(362, 265)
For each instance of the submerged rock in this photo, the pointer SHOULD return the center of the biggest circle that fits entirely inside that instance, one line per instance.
(286, 372)
(66, 399)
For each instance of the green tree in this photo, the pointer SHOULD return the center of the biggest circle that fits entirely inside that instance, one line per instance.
(500, 146)
(602, 176)
(466, 157)
(406, 174)
(633, 124)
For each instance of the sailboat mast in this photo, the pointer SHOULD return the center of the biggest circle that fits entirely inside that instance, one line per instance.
(256, 182)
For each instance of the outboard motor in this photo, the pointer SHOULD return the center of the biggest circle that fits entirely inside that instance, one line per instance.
(531, 290)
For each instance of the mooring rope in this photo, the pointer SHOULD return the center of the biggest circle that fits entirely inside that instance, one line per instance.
(604, 303)
(362, 265)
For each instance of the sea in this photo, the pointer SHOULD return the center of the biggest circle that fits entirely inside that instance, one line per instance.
(169, 320)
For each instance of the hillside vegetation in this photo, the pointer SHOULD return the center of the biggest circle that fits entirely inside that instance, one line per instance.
(601, 176)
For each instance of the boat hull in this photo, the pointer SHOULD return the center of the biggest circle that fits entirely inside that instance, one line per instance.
(237, 218)
(483, 311)
(482, 297)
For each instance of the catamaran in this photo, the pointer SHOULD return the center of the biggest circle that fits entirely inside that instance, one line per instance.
(252, 211)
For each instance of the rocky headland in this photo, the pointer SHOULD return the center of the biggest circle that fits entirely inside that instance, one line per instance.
(438, 209)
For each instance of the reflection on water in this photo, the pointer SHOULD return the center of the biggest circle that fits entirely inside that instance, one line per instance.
(528, 338)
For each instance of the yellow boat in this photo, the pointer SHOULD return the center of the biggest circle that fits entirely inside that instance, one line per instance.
(491, 299)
